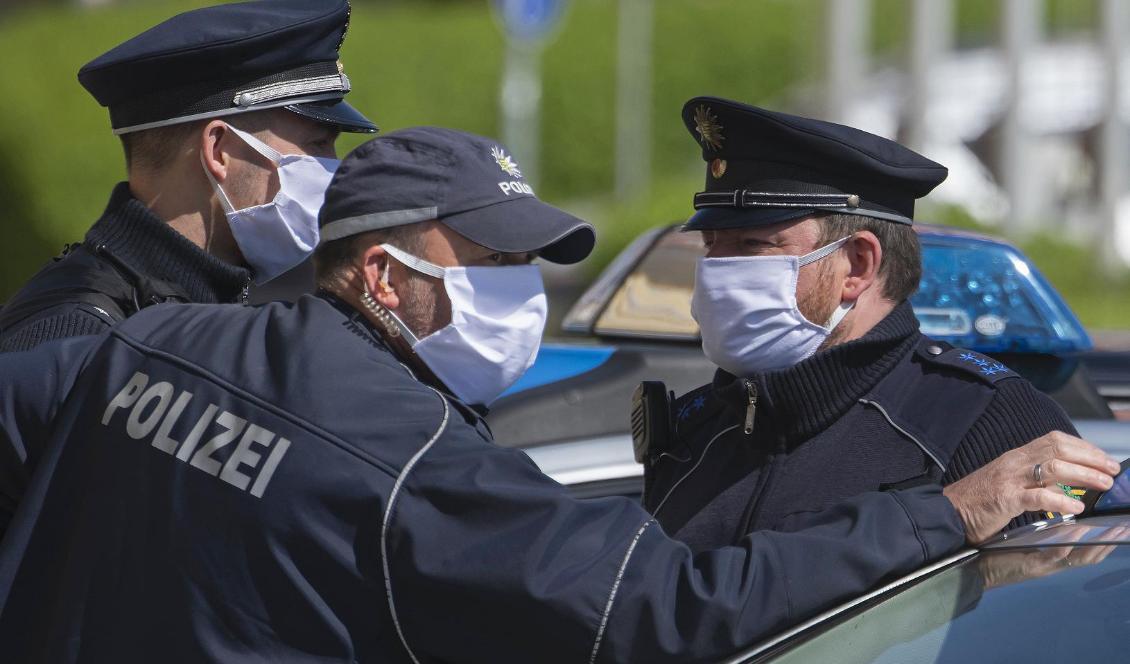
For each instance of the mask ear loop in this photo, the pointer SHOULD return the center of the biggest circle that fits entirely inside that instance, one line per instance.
(418, 264)
(391, 323)
(259, 146)
(225, 202)
(822, 252)
(844, 307)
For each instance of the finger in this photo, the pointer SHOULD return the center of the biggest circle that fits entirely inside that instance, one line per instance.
(1076, 475)
(1078, 451)
(1048, 500)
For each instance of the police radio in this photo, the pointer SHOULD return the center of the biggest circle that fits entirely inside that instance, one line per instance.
(651, 419)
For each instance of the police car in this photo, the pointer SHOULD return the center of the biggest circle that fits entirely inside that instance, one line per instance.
(1050, 592)
(570, 412)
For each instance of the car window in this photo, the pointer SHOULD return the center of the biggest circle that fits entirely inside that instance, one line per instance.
(655, 298)
(1001, 606)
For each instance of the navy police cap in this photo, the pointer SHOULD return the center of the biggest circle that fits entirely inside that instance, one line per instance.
(229, 59)
(470, 183)
(765, 167)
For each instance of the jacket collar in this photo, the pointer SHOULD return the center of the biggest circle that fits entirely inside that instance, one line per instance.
(805, 399)
(148, 246)
(362, 323)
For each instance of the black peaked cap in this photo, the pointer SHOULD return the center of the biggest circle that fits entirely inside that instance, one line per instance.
(765, 167)
(228, 59)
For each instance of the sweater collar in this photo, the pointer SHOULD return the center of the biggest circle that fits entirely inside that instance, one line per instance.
(807, 398)
(134, 235)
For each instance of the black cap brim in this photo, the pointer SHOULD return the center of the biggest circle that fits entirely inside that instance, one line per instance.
(525, 225)
(716, 219)
(335, 112)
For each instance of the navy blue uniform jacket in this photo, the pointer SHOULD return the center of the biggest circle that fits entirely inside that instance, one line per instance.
(237, 484)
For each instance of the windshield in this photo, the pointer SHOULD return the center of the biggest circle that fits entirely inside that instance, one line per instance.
(1032, 605)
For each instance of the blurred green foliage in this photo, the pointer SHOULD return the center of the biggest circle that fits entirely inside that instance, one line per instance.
(440, 62)
(410, 63)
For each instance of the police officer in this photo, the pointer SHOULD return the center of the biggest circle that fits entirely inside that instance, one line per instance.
(314, 481)
(228, 117)
(825, 388)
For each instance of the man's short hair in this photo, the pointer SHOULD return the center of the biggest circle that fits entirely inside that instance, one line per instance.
(152, 150)
(901, 267)
(332, 258)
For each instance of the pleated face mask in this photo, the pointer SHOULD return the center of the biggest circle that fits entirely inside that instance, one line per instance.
(498, 314)
(746, 309)
(278, 235)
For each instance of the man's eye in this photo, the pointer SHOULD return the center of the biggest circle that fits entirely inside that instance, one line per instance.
(495, 258)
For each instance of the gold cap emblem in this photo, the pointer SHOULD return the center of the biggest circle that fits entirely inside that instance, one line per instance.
(709, 131)
(508, 165)
(718, 168)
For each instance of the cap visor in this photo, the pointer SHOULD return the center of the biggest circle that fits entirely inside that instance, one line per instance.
(526, 224)
(712, 219)
(335, 112)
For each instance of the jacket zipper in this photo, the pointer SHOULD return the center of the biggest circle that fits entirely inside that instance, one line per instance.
(751, 409)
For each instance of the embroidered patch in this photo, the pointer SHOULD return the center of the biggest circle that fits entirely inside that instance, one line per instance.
(986, 366)
(505, 162)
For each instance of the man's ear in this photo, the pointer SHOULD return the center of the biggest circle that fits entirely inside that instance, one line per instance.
(375, 267)
(865, 255)
(213, 143)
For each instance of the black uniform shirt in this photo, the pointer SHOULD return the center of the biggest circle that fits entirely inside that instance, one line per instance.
(130, 257)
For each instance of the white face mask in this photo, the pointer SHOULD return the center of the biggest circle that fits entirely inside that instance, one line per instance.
(746, 309)
(497, 318)
(276, 236)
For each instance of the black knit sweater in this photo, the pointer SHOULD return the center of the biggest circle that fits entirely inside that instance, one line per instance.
(802, 452)
(138, 239)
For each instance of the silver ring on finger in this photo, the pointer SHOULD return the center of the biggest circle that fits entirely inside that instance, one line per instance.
(1038, 475)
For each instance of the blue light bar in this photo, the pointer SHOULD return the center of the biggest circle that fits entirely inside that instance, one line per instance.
(986, 296)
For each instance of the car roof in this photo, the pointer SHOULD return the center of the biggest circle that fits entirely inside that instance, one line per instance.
(1091, 531)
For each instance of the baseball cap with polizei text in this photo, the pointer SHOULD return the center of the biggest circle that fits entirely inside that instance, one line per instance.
(470, 183)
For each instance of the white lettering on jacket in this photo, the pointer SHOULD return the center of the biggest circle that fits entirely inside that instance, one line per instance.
(159, 407)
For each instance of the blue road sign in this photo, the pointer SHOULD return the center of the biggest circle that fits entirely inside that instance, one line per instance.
(529, 20)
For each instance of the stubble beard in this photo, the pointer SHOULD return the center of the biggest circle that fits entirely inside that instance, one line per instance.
(818, 304)
(419, 311)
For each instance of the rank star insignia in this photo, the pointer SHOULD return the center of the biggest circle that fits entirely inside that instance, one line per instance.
(504, 162)
(709, 131)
